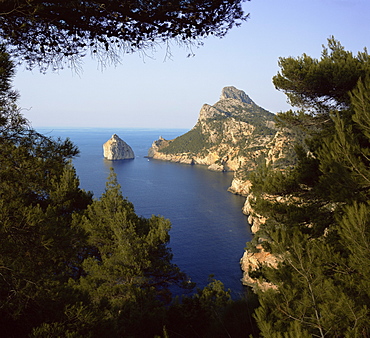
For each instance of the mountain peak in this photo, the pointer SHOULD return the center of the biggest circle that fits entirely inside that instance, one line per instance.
(236, 94)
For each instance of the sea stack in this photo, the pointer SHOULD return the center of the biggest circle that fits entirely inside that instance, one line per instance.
(117, 149)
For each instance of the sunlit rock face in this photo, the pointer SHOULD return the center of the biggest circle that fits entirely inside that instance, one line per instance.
(236, 94)
(117, 149)
(253, 261)
(231, 135)
(160, 143)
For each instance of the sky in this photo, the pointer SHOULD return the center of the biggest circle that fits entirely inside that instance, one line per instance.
(161, 92)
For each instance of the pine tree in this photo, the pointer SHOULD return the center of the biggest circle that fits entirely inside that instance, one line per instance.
(320, 230)
(39, 194)
(129, 269)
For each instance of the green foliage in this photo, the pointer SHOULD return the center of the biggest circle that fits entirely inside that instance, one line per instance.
(67, 31)
(192, 142)
(211, 313)
(39, 194)
(129, 271)
(131, 251)
(310, 291)
(11, 120)
(266, 179)
(320, 228)
(321, 85)
(345, 156)
(79, 321)
(40, 248)
(355, 236)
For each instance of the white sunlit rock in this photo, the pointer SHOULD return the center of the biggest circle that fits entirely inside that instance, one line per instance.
(117, 149)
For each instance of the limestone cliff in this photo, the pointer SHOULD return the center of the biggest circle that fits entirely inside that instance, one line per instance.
(252, 261)
(160, 143)
(117, 149)
(234, 134)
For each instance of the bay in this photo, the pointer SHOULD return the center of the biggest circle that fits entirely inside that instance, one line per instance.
(208, 232)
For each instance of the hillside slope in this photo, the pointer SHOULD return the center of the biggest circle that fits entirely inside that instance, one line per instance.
(234, 134)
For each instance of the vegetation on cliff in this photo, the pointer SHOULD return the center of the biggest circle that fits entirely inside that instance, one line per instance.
(318, 212)
(193, 142)
(235, 134)
(201, 138)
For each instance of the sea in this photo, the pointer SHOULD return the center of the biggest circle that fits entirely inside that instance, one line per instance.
(209, 231)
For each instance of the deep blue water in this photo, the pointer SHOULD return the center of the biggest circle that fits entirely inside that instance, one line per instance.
(208, 232)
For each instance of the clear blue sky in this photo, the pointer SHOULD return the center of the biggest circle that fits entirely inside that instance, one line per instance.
(152, 93)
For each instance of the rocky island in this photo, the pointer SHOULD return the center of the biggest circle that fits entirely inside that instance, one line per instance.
(117, 149)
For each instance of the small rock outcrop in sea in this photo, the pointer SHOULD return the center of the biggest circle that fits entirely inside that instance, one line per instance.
(117, 149)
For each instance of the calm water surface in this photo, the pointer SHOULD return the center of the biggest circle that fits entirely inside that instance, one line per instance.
(208, 232)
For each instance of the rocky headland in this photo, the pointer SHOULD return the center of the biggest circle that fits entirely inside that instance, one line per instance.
(235, 134)
(117, 149)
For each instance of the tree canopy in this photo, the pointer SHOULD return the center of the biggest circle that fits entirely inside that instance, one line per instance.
(321, 85)
(51, 32)
(318, 218)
